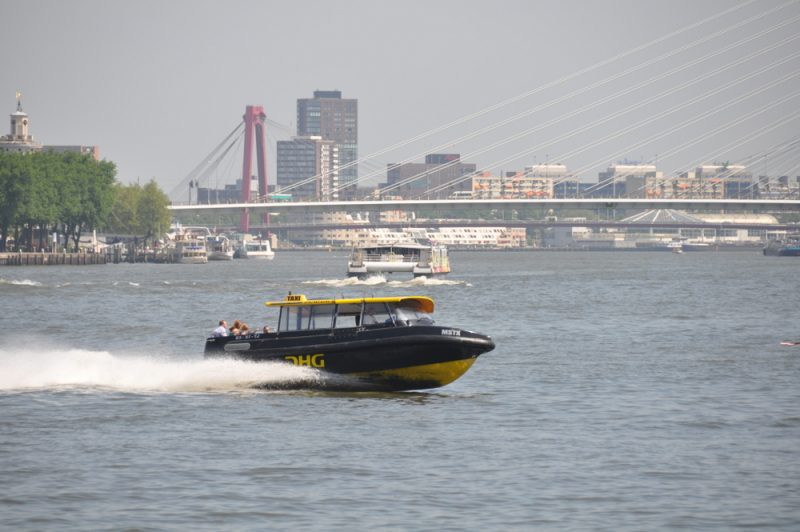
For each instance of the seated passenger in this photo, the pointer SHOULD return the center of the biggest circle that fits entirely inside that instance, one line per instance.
(235, 327)
(244, 329)
(222, 330)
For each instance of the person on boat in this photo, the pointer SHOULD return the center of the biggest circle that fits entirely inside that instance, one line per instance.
(244, 329)
(265, 330)
(222, 330)
(235, 327)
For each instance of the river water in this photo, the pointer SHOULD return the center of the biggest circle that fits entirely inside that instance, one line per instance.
(628, 391)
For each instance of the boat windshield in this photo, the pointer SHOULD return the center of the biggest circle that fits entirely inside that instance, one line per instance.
(329, 316)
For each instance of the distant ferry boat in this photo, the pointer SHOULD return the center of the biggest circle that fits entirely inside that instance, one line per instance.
(418, 259)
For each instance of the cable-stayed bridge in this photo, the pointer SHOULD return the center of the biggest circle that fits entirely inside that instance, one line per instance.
(719, 89)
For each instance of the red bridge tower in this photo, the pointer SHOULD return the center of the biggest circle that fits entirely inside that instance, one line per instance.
(254, 118)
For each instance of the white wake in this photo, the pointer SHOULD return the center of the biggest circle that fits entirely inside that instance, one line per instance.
(27, 369)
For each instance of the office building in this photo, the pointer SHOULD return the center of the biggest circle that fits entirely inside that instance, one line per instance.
(333, 118)
(308, 168)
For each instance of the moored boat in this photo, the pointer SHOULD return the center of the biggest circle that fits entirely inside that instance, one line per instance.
(255, 249)
(377, 343)
(189, 251)
(418, 259)
(219, 248)
(783, 248)
(187, 245)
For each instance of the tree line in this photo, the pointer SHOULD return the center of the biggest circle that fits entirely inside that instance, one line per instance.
(68, 194)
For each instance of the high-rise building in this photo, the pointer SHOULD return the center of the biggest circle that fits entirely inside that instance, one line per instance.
(334, 118)
(312, 161)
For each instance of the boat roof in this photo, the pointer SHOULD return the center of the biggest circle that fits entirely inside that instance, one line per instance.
(296, 300)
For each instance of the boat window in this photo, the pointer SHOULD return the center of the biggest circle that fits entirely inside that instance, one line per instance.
(407, 315)
(376, 314)
(348, 316)
(321, 317)
(306, 317)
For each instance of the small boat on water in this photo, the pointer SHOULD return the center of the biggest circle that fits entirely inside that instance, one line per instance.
(375, 343)
(255, 249)
(189, 251)
(187, 245)
(219, 248)
(419, 259)
(783, 248)
(697, 245)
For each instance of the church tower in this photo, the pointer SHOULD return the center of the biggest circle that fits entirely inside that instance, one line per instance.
(20, 138)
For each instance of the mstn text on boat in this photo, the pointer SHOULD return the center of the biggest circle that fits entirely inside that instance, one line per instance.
(377, 343)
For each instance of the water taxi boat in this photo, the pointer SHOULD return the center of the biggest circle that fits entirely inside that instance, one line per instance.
(375, 343)
(427, 260)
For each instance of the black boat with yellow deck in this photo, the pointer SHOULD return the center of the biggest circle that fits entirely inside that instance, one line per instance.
(375, 343)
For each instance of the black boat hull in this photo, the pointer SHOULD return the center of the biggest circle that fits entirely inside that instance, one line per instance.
(369, 358)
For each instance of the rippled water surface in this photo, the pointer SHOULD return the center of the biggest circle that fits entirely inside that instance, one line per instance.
(628, 391)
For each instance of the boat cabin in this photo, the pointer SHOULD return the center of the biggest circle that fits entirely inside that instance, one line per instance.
(300, 314)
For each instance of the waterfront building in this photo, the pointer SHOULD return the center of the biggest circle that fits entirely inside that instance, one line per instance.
(662, 235)
(21, 140)
(625, 179)
(440, 176)
(736, 180)
(513, 185)
(682, 187)
(333, 118)
(310, 165)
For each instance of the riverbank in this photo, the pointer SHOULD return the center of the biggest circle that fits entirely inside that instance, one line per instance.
(46, 259)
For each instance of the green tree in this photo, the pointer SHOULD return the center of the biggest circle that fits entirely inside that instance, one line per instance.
(125, 204)
(46, 192)
(15, 179)
(152, 212)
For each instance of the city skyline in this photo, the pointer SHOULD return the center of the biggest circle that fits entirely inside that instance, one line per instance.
(157, 105)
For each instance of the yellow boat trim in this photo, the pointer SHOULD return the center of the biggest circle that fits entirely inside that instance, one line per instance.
(425, 304)
(441, 373)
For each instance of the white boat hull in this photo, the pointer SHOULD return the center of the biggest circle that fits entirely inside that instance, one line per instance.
(220, 255)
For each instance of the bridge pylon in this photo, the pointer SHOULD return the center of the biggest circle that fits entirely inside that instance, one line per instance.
(254, 132)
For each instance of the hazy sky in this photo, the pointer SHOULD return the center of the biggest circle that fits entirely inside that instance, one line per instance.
(158, 84)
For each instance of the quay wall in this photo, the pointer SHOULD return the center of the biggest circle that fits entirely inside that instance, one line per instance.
(48, 259)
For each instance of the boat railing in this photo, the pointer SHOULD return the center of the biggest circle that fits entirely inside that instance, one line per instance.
(390, 257)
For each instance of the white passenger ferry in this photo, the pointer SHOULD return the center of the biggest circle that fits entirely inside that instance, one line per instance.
(419, 259)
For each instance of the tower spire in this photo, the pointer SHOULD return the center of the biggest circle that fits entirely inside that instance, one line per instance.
(19, 101)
